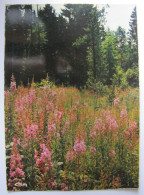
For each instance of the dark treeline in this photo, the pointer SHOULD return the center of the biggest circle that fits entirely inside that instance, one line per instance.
(74, 47)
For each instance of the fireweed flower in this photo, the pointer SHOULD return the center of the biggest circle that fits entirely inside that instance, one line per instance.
(132, 126)
(116, 102)
(39, 100)
(99, 128)
(49, 106)
(77, 103)
(58, 115)
(73, 118)
(127, 134)
(113, 124)
(51, 128)
(92, 149)
(116, 182)
(54, 93)
(44, 162)
(131, 132)
(6, 94)
(112, 153)
(31, 97)
(19, 104)
(17, 175)
(28, 100)
(32, 94)
(123, 113)
(44, 165)
(31, 131)
(85, 180)
(79, 146)
(64, 187)
(65, 127)
(70, 156)
(12, 85)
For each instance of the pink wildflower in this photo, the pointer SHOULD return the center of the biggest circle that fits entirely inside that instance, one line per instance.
(6, 93)
(123, 113)
(93, 149)
(85, 180)
(70, 156)
(67, 123)
(49, 106)
(66, 188)
(113, 124)
(112, 153)
(79, 146)
(28, 100)
(65, 127)
(132, 126)
(31, 131)
(36, 155)
(19, 122)
(99, 128)
(116, 182)
(45, 156)
(116, 101)
(51, 128)
(13, 85)
(54, 93)
(77, 103)
(25, 145)
(32, 94)
(58, 114)
(39, 100)
(31, 97)
(16, 173)
(127, 134)
(73, 118)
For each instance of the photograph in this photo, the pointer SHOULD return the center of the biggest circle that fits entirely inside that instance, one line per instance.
(71, 97)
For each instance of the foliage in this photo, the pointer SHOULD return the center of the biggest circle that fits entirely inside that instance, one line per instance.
(96, 87)
(110, 56)
(39, 38)
(44, 83)
(132, 76)
(116, 80)
(124, 83)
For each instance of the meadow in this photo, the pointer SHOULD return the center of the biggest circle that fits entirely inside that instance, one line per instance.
(62, 138)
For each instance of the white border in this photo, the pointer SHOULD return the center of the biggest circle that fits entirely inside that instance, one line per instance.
(140, 8)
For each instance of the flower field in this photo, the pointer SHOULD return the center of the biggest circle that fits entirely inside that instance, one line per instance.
(61, 138)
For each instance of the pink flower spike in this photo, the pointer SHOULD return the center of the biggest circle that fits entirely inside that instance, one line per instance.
(93, 149)
(85, 180)
(79, 146)
(70, 156)
(112, 153)
(116, 102)
(13, 85)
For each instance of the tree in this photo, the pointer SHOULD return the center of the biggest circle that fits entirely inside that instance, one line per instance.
(133, 40)
(121, 43)
(14, 40)
(96, 36)
(48, 16)
(77, 18)
(110, 56)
